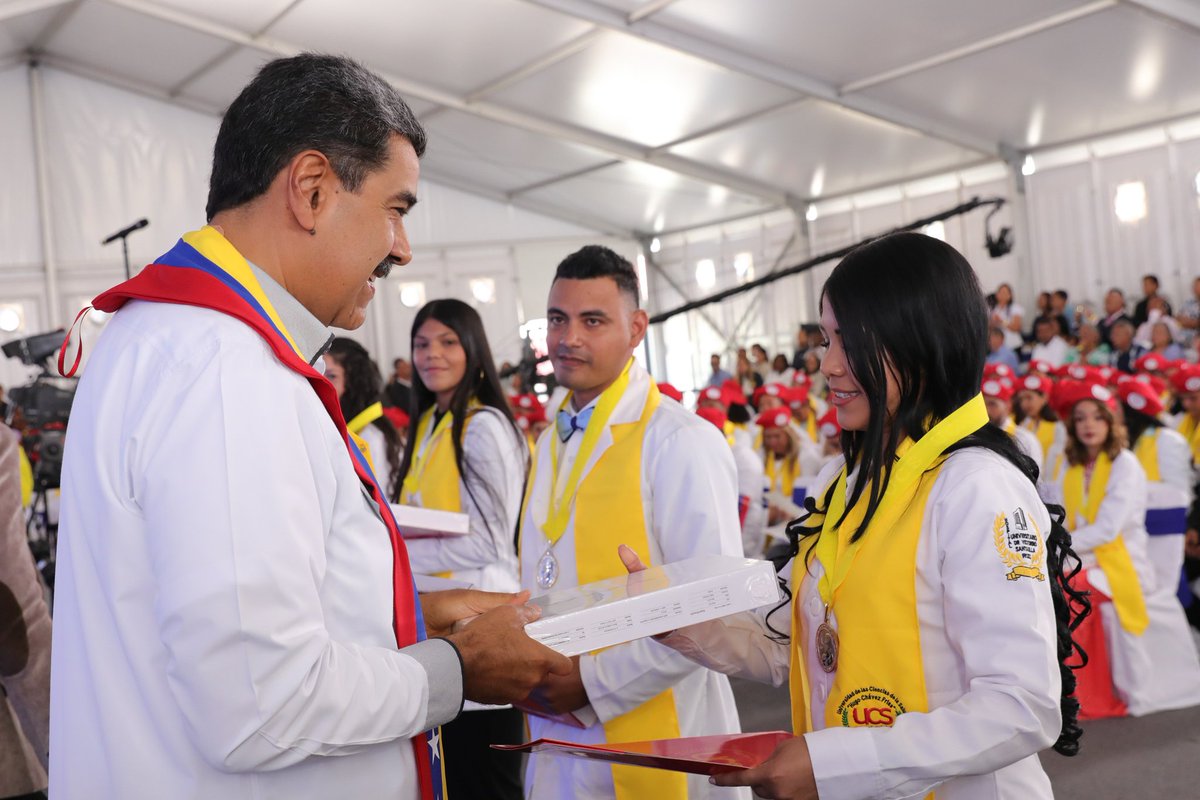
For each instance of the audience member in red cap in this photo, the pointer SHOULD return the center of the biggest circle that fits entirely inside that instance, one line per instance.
(997, 395)
(1034, 413)
(781, 459)
(772, 395)
(804, 416)
(1145, 640)
(1186, 383)
(752, 483)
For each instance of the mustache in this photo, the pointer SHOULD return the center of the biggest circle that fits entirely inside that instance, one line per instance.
(566, 352)
(385, 268)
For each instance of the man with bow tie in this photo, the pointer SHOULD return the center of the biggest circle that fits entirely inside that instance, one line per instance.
(622, 465)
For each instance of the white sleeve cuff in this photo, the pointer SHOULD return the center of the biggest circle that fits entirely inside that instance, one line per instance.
(845, 764)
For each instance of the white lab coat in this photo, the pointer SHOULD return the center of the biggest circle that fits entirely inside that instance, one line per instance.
(223, 619)
(752, 485)
(988, 648)
(1029, 444)
(495, 458)
(689, 491)
(377, 445)
(1157, 670)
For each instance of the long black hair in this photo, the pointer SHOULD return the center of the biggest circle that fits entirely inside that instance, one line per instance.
(363, 385)
(911, 304)
(480, 383)
(1137, 423)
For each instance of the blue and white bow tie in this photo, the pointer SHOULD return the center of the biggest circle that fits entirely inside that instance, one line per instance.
(568, 423)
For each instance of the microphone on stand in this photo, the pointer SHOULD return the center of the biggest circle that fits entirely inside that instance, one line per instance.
(123, 235)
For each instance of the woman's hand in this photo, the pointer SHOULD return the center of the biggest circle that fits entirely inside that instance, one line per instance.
(786, 775)
(630, 559)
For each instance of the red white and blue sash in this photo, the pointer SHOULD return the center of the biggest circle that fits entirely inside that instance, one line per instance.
(203, 269)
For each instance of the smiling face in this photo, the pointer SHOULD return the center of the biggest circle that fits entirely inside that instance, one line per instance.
(439, 358)
(592, 328)
(358, 236)
(845, 393)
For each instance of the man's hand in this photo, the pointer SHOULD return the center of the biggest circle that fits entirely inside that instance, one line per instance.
(786, 775)
(446, 612)
(1191, 544)
(501, 664)
(562, 693)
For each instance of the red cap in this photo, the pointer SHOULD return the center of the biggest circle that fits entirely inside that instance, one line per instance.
(797, 396)
(775, 418)
(828, 424)
(1186, 380)
(1044, 367)
(396, 416)
(997, 388)
(1141, 397)
(1153, 362)
(1068, 393)
(1036, 383)
(772, 389)
(801, 379)
(733, 393)
(714, 415)
(524, 403)
(997, 371)
(671, 392)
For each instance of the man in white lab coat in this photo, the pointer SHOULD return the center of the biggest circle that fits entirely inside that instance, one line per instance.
(235, 615)
(619, 466)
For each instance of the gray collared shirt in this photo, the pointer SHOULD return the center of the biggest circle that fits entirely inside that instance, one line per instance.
(309, 333)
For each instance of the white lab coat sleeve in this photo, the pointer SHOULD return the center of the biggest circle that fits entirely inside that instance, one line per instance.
(1005, 636)
(1124, 500)
(694, 512)
(495, 463)
(1175, 461)
(226, 477)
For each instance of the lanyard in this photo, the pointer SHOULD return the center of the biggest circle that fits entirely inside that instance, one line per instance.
(834, 549)
(561, 505)
(365, 417)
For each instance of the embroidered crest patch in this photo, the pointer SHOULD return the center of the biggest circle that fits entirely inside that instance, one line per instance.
(1020, 545)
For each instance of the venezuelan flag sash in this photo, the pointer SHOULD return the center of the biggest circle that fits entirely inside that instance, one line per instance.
(203, 269)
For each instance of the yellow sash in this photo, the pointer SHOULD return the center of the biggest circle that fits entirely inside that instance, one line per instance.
(1190, 430)
(1044, 429)
(608, 511)
(360, 421)
(433, 480)
(1113, 556)
(26, 477)
(782, 480)
(870, 584)
(1147, 454)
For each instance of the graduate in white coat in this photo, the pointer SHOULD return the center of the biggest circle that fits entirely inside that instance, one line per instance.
(234, 614)
(620, 464)
(921, 637)
(998, 394)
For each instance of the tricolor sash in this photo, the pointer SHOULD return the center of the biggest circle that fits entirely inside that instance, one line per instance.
(203, 269)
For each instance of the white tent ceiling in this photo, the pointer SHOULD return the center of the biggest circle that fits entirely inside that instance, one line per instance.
(635, 117)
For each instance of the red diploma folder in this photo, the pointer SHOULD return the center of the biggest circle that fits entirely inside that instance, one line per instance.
(701, 755)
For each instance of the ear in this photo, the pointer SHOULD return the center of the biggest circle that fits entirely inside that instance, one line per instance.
(638, 324)
(310, 182)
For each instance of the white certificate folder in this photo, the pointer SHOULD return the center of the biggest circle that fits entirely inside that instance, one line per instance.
(660, 599)
(428, 523)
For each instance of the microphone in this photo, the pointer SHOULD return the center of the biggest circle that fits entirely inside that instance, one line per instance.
(137, 226)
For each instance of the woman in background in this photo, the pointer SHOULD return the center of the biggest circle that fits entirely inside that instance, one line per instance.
(349, 367)
(466, 454)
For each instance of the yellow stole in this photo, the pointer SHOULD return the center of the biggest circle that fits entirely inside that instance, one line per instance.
(1113, 557)
(782, 478)
(871, 584)
(608, 511)
(361, 421)
(1190, 430)
(1043, 429)
(433, 480)
(1146, 451)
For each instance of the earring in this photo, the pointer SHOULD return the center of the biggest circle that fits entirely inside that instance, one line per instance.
(312, 231)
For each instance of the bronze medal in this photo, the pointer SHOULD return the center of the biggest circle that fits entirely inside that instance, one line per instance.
(827, 645)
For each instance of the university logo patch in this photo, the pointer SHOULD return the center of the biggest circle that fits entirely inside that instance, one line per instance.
(1020, 545)
(870, 707)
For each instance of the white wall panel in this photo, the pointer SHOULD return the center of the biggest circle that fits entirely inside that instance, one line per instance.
(19, 219)
(1064, 240)
(1132, 249)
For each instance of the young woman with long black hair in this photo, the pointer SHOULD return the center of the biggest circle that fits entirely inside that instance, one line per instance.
(349, 367)
(927, 628)
(466, 454)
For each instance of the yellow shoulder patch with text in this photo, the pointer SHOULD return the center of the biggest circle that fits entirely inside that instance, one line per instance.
(1020, 545)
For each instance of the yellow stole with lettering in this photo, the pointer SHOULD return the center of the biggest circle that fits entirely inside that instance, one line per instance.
(1112, 556)
(433, 480)
(1190, 429)
(869, 588)
(608, 512)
